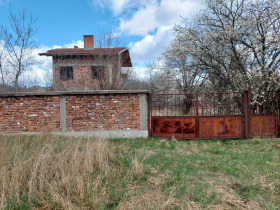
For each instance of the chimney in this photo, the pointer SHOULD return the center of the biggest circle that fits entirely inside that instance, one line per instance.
(88, 41)
(75, 46)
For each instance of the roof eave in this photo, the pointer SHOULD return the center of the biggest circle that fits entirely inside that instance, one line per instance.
(126, 56)
(79, 53)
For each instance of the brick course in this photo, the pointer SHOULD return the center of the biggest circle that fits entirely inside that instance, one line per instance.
(84, 112)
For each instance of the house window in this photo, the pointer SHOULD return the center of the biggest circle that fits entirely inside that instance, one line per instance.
(97, 72)
(66, 73)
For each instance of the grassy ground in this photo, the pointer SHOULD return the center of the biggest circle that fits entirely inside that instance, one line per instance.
(51, 172)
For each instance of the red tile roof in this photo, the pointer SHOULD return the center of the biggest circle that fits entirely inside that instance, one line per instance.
(92, 51)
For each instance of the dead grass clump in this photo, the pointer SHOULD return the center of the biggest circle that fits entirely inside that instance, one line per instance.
(277, 146)
(158, 179)
(102, 154)
(262, 181)
(256, 140)
(174, 140)
(191, 205)
(187, 151)
(230, 200)
(163, 142)
(137, 167)
(152, 199)
(58, 173)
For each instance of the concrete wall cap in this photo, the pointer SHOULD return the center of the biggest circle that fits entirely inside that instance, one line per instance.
(88, 92)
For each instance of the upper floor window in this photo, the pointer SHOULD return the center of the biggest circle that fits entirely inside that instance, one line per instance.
(66, 73)
(97, 72)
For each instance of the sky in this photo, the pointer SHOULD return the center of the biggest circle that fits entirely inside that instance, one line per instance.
(143, 26)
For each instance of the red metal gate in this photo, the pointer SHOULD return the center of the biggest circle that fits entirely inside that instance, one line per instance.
(208, 116)
(264, 120)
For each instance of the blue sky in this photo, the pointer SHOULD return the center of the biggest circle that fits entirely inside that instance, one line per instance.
(144, 26)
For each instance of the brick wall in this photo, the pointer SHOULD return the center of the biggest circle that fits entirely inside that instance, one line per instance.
(29, 114)
(112, 112)
(75, 111)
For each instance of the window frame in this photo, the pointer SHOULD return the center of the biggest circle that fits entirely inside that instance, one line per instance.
(97, 72)
(66, 73)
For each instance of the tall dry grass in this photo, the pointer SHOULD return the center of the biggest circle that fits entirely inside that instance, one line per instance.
(54, 173)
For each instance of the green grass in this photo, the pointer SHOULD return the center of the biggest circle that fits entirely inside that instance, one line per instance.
(212, 172)
(156, 173)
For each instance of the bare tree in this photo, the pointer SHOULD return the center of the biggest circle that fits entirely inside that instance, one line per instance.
(2, 55)
(20, 44)
(163, 79)
(108, 40)
(119, 75)
(136, 84)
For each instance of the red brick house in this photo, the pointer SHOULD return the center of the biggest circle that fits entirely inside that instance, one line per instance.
(88, 68)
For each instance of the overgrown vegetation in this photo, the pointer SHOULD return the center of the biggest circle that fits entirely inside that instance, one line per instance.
(52, 172)
(231, 45)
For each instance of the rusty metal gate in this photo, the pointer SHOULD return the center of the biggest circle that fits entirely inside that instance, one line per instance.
(264, 119)
(210, 116)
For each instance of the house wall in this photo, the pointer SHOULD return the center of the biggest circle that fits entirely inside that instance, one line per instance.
(82, 78)
(101, 113)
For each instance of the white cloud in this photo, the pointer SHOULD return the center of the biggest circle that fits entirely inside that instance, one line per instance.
(41, 72)
(141, 23)
(79, 44)
(153, 20)
(141, 73)
(120, 6)
(151, 46)
(149, 17)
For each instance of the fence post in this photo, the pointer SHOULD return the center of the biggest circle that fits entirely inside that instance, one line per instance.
(246, 113)
(196, 117)
(149, 114)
